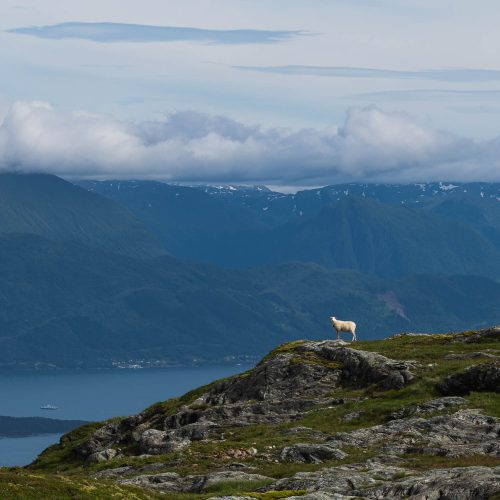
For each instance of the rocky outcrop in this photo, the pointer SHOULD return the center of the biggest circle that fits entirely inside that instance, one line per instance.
(482, 377)
(155, 442)
(431, 406)
(171, 482)
(380, 481)
(102, 456)
(363, 368)
(352, 479)
(471, 355)
(246, 413)
(465, 432)
(311, 369)
(118, 472)
(311, 453)
(282, 388)
(485, 335)
(460, 483)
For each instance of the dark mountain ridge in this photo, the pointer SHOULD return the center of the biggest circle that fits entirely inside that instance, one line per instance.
(48, 206)
(385, 230)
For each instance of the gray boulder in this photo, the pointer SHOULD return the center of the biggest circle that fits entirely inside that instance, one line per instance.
(379, 481)
(155, 442)
(460, 483)
(171, 482)
(101, 456)
(311, 453)
(482, 377)
(311, 369)
(465, 432)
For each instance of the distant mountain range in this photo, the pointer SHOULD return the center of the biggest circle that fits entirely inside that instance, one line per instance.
(86, 283)
(50, 207)
(386, 230)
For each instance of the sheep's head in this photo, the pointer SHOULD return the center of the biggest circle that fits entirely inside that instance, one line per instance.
(333, 318)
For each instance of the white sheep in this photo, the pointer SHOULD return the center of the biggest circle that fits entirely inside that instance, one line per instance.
(344, 326)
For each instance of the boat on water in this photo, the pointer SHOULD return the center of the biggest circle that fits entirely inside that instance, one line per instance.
(48, 407)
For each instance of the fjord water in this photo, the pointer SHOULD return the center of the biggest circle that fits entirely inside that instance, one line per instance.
(92, 396)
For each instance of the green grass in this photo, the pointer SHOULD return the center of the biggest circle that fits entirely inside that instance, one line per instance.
(231, 487)
(427, 462)
(313, 358)
(287, 347)
(426, 348)
(487, 401)
(61, 456)
(18, 484)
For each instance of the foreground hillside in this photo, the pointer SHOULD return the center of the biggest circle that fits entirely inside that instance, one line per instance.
(412, 416)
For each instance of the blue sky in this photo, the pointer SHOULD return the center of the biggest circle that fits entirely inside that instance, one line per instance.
(297, 76)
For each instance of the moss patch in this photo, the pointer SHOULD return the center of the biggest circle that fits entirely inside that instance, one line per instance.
(313, 358)
(426, 462)
(17, 484)
(287, 347)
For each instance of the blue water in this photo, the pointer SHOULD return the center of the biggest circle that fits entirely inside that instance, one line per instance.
(92, 395)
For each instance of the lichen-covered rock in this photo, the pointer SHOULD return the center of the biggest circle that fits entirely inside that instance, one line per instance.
(429, 406)
(362, 481)
(281, 376)
(460, 483)
(352, 479)
(363, 368)
(311, 453)
(171, 482)
(232, 498)
(471, 355)
(310, 368)
(128, 469)
(485, 335)
(281, 388)
(463, 433)
(155, 442)
(107, 436)
(240, 414)
(101, 456)
(482, 377)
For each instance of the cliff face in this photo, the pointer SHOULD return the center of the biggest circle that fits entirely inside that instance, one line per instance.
(413, 416)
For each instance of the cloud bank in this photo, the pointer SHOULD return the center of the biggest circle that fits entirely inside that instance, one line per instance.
(141, 33)
(440, 75)
(370, 146)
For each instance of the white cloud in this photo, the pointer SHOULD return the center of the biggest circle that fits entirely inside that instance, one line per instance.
(371, 145)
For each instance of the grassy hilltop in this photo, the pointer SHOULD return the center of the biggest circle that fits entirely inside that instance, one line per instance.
(302, 392)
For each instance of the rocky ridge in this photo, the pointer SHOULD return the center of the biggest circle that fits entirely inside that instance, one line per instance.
(369, 425)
